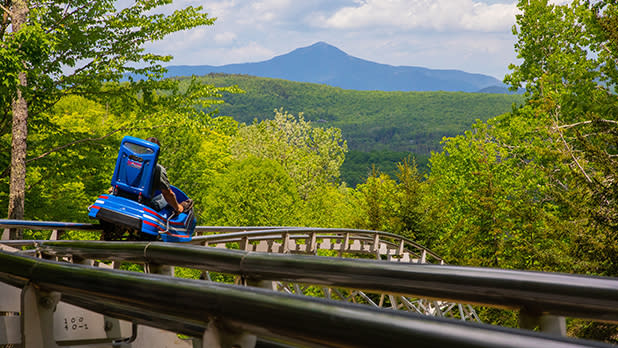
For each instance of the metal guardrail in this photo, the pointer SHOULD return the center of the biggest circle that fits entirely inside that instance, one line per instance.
(534, 292)
(189, 306)
(314, 241)
(382, 245)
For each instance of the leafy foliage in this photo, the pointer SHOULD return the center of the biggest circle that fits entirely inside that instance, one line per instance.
(359, 165)
(253, 192)
(330, 206)
(75, 47)
(533, 188)
(73, 152)
(492, 205)
(310, 155)
(570, 68)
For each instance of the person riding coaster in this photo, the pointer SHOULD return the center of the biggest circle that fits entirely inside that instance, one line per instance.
(141, 204)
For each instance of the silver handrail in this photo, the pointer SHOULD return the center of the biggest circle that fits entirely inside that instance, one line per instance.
(535, 292)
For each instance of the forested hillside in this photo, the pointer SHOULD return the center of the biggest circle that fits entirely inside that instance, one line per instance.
(380, 127)
(369, 120)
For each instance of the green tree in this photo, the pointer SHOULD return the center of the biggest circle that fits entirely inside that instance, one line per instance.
(195, 152)
(253, 192)
(378, 203)
(310, 155)
(410, 210)
(58, 48)
(492, 204)
(331, 206)
(62, 182)
(569, 68)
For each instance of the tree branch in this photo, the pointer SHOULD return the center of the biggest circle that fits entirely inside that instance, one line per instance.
(91, 139)
(66, 15)
(604, 45)
(4, 25)
(6, 10)
(59, 148)
(582, 123)
(43, 177)
(74, 143)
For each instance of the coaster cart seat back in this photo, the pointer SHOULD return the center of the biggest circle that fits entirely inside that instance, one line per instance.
(132, 210)
(137, 160)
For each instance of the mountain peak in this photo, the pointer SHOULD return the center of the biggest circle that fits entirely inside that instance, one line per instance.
(319, 48)
(322, 44)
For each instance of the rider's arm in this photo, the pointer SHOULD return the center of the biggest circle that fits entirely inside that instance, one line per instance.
(164, 185)
(170, 198)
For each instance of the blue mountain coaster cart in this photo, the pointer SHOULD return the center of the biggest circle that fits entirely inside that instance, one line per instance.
(132, 211)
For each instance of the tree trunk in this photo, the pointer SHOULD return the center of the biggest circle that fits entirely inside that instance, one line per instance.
(19, 106)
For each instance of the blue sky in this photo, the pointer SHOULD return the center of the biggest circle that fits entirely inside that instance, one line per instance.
(470, 35)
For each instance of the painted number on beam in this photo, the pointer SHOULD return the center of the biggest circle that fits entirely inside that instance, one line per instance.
(75, 323)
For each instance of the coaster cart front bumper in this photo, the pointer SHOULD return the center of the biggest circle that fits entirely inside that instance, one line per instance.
(143, 220)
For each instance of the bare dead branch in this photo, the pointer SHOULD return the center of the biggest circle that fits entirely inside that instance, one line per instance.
(6, 10)
(604, 45)
(568, 148)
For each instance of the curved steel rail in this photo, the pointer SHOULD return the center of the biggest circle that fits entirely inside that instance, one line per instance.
(309, 240)
(261, 312)
(292, 239)
(48, 225)
(302, 240)
(344, 243)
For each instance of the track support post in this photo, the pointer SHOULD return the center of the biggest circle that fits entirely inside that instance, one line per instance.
(219, 335)
(550, 324)
(37, 319)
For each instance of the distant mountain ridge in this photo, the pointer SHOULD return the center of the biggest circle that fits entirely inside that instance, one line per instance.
(325, 64)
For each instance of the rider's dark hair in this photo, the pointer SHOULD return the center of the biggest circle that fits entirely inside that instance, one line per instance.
(153, 140)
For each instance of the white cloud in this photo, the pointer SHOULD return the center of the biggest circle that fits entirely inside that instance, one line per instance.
(181, 41)
(220, 8)
(225, 38)
(251, 52)
(438, 15)
(263, 12)
(488, 54)
(270, 6)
